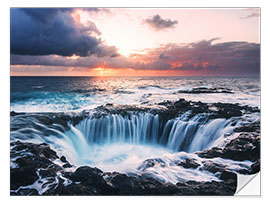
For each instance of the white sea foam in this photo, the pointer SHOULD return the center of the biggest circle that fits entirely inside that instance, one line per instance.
(246, 91)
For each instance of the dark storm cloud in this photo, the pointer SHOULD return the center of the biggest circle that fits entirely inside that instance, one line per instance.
(226, 57)
(46, 31)
(89, 62)
(53, 60)
(157, 23)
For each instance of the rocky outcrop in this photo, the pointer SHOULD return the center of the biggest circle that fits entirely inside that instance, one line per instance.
(205, 90)
(244, 147)
(36, 166)
(188, 163)
(169, 109)
(84, 181)
(31, 158)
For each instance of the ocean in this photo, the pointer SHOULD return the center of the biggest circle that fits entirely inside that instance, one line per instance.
(63, 94)
(171, 129)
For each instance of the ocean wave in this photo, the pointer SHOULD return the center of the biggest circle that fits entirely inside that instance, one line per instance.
(124, 92)
(38, 87)
(92, 90)
(150, 86)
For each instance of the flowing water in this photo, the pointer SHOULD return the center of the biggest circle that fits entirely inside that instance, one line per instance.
(116, 142)
(62, 94)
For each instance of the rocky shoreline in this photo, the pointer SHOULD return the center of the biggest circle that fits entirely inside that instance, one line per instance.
(38, 166)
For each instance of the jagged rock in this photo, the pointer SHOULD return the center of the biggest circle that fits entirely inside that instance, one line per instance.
(63, 159)
(34, 161)
(150, 163)
(245, 147)
(13, 113)
(204, 90)
(213, 167)
(255, 168)
(90, 181)
(22, 176)
(188, 163)
(27, 191)
(32, 158)
(252, 127)
(67, 165)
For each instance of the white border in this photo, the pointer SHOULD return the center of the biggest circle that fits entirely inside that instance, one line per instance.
(5, 5)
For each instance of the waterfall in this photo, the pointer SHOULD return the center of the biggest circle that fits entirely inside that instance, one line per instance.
(122, 142)
(179, 134)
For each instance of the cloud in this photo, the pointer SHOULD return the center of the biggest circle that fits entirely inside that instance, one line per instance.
(226, 57)
(48, 31)
(162, 56)
(255, 13)
(252, 15)
(196, 66)
(202, 57)
(157, 23)
(87, 62)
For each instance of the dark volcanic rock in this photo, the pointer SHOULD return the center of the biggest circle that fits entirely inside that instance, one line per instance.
(204, 90)
(228, 177)
(125, 185)
(188, 163)
(13, 113)
(42, 150)
(214, 188)
(22, 176)
(92, 181)
(87, 175)
(67, 165)
(150, 163)
(32, 192)
(226, 187)
(215, 110)
(213, 167)
(33, 160)
(252, 127)
(63, 159)
(169, 110)
(85, 181)
(255, 168)
(245, 147)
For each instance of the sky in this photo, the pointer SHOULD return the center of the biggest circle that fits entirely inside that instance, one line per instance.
(135, 42)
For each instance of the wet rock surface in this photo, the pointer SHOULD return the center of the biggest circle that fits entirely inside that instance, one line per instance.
(171, 109)
(205, 90)
(244, 147)
(188, 163)
(35, 164)
(166, 109)
(31, 158)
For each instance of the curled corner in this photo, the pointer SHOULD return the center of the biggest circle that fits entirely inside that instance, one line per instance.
(248, 185)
